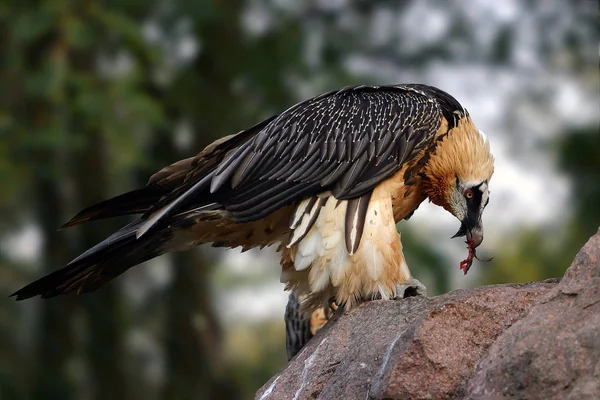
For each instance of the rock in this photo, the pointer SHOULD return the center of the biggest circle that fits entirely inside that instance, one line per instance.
(554, 352)
(518, 341)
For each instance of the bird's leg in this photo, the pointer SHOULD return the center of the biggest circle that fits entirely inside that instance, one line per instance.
(412, 288)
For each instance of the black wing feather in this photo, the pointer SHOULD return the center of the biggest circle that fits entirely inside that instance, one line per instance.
(345, 141)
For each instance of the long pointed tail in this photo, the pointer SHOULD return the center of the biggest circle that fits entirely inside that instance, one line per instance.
(100, 264)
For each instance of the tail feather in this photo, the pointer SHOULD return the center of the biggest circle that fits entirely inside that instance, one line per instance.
(100, 264)
(134, 202)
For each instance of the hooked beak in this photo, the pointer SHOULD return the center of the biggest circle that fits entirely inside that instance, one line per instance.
(473, 232)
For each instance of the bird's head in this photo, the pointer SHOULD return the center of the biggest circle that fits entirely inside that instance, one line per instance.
(467, 203)
(457, 176)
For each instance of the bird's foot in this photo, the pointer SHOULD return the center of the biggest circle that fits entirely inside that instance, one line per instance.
(410, 289)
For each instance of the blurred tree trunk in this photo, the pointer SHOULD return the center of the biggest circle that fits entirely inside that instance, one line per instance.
(192, 330)
(55, 337)
(55, 334)
(104, 348)
(104, 345)
(192, 341)
(203, 95)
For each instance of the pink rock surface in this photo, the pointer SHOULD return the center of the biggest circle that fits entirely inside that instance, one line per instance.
(518, 341)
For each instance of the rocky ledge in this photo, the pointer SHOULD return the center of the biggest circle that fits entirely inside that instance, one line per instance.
(539, 340)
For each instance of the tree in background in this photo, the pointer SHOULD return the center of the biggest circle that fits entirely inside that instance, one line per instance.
(36, 69)
(63, 127)
(227, 57)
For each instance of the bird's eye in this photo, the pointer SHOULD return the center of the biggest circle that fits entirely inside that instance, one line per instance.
(469, 194)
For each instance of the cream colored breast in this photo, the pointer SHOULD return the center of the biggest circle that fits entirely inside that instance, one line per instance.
(376, 266)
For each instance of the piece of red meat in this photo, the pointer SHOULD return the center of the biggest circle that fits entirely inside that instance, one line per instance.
(465, 264)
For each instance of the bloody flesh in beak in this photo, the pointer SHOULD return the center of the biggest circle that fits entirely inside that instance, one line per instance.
(474, 234)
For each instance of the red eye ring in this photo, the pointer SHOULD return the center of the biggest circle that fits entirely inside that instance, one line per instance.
(469, 194)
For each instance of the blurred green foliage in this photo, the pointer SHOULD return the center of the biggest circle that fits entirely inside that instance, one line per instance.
(95, 96)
